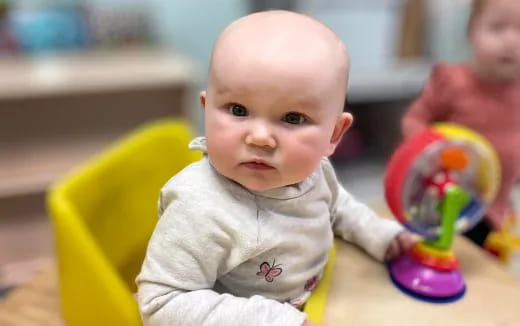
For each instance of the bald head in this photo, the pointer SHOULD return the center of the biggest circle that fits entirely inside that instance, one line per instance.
(280, 30)
(277, 42)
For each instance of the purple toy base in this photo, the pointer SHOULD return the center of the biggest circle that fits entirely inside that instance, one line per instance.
(425, 281)
(428, 299)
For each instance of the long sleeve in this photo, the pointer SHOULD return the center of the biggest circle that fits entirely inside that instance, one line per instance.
(432, 104)
(357, 223)
(189, 250)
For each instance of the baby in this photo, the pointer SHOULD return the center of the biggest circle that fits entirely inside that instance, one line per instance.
(244, 233)
(483, 94)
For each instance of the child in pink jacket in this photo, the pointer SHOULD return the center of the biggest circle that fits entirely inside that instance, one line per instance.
(483, 94)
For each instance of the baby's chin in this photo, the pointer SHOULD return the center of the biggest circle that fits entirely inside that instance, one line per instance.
(507, 71)
(508, 77)
(264, 186)
(259, 186)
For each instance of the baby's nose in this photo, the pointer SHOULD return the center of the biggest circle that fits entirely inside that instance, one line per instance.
(261, 135)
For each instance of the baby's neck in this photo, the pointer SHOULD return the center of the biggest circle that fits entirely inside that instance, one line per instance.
(490, 77)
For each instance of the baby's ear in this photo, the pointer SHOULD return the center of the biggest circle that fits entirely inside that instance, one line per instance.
(202, 97)
(342, 124)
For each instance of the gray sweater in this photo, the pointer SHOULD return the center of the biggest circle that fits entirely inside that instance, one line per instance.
(224, 255)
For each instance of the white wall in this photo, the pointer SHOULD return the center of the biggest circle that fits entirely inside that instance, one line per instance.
(191, 27)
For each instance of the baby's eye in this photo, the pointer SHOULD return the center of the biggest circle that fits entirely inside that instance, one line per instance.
(238, 110)
(294, 118)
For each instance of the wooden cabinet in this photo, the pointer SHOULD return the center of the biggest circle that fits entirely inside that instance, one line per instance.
(57, 112)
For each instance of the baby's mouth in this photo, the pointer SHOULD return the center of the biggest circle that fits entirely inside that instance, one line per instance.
(507, 60)
(257, 165)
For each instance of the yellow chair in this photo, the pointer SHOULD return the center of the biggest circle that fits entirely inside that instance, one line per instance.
(103, 215)
(315, 306)
(504, 243)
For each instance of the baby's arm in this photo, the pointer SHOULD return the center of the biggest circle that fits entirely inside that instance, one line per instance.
(185, 256)
(355, 222)
(430, 106)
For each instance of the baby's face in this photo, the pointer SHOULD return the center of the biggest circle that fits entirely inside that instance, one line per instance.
(271, 118)
(495, 38)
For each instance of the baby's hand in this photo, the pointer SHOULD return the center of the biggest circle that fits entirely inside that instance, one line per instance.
(308, 323)
(401, 243)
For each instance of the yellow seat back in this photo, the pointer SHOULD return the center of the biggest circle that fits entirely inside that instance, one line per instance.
(103, 215)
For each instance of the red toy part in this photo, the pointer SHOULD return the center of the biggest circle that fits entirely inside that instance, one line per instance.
(447, 263)
(399, 166)
(440, 182)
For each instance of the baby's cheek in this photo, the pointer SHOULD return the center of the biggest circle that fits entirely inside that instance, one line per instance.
(222, 153)
(301, 160)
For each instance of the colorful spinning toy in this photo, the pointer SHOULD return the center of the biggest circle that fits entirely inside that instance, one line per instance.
(438, 183)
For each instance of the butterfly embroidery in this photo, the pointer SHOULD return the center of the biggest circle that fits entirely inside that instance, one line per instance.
(269, 272)
(311, 284)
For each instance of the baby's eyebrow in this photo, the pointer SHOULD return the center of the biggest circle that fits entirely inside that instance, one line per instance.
(222, 89)
(308, 102)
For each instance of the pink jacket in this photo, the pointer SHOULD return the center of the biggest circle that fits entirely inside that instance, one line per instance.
(455, 94)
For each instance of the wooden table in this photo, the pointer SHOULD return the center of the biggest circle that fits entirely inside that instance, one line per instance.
(35, 303)
(361, 294)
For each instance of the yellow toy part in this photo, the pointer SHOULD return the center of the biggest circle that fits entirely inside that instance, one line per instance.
(505, 242)
(489, 169)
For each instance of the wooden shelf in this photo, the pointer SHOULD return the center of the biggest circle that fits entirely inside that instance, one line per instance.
(56, 112)
(32, 167)
(72, 73)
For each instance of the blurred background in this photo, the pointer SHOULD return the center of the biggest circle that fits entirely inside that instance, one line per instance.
(76, 75)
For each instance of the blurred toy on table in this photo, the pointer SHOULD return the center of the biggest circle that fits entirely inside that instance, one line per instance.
(438, 183)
